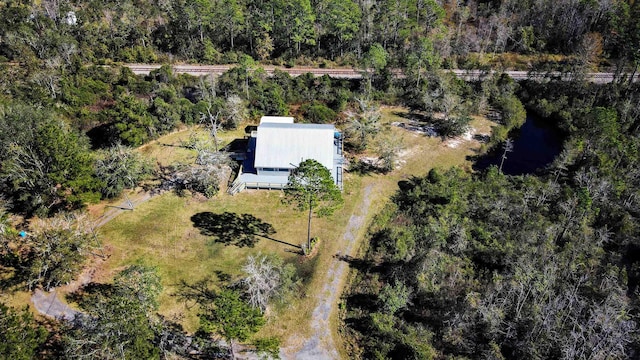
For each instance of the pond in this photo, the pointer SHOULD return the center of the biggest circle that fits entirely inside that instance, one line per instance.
(535, 145)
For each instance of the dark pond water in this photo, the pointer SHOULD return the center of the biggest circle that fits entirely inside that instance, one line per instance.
(536, 144)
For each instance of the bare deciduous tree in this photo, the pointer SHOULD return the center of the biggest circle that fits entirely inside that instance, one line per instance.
(363, 124)
(50, 77)
(388, 147)
(235, 110)
(119, 167)
(210, 118)
(508, 147)
(262, 280)
(67, 50)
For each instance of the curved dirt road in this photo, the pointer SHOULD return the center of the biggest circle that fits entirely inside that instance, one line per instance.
(50, 305)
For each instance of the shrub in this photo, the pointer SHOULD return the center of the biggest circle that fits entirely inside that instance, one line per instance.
(318, 113)
(118, 168)
(513, 112)
(270, 345)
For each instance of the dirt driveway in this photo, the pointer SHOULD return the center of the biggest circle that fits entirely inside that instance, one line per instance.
(321, 345)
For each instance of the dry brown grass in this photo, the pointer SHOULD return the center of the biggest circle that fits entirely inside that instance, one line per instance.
(17, 298)
(160, 233)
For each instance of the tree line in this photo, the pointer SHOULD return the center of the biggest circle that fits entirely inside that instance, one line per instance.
(214, 31)
(65, 149)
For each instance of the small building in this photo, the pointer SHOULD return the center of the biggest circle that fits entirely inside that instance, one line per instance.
(279, 145)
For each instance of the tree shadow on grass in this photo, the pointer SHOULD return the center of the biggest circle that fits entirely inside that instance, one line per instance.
(242, 230)
(199, 292)
(11, 280)
(415, 116)
(361, 167)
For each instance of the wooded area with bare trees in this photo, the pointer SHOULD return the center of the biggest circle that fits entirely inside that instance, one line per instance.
(411, 31)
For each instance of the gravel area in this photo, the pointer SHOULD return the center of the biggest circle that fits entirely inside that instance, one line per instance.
(48, 304)
(321, 344)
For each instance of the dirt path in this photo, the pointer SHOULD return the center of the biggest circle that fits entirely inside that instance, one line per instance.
(127, 205)
(321, 344)
(50, 304)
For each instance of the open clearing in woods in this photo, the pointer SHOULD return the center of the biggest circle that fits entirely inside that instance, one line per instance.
(160, 232)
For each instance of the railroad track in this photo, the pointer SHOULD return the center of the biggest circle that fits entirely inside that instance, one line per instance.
(199, 70)
(596, 77)
(345, 73)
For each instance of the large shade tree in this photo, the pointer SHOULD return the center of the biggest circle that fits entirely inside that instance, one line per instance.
(311, 188)
(44, 164)
(55, 250)
(119, 320)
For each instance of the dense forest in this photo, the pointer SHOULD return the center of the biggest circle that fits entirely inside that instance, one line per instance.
(491, 266)
(411, 31)
(478, 265)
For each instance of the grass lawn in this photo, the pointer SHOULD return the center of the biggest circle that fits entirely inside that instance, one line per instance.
(160, 232)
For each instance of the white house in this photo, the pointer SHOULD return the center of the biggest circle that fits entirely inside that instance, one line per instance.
(279, 145)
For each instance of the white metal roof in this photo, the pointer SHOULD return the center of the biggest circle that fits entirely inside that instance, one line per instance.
(287, 145)
(276, 119)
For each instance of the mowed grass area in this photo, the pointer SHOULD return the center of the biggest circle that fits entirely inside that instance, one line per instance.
(160, 232)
